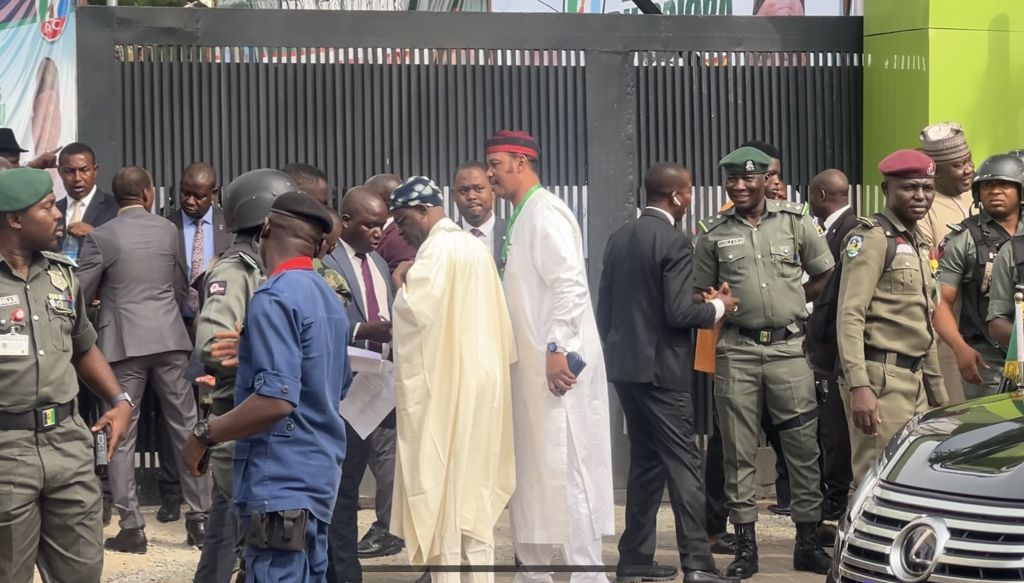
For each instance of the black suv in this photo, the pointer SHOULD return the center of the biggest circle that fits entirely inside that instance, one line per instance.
(945, 503)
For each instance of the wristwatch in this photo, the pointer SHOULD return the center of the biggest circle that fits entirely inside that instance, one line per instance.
(553, 347)
(122, 397)
(202, 432)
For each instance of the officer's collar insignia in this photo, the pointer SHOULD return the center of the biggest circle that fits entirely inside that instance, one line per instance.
(57, 279)
(749, 166)
(854, 245)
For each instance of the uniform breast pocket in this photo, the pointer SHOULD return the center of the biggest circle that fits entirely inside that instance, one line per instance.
(785, 259)
(61, 324)
(905, 276)
(731, 263)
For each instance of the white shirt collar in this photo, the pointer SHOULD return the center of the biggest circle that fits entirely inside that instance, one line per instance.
(349, 250)
(487, 228)
(671, 220)
(832, 218)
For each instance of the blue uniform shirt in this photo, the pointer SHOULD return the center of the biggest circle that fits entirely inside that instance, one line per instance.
(293, 348)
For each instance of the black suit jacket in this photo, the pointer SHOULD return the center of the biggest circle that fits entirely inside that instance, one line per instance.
(221, 237)
(102, 208)
(837, 233)
(645, 309)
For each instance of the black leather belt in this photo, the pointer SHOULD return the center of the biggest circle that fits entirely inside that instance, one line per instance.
(913, 364)
(768, 336)
(221, 406)
(41, 419)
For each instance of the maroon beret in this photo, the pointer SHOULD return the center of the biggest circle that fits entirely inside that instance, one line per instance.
(907, 164)
(513, 142)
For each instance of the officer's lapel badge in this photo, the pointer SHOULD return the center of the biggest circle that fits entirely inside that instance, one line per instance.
(903, 248)
(853, 246)
(749, 166)
(821, 230)
(57, 279)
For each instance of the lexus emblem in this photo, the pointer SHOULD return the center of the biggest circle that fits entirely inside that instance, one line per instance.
(918, 549)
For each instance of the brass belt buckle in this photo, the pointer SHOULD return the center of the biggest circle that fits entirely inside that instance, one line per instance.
(764, 337)
(46, 418)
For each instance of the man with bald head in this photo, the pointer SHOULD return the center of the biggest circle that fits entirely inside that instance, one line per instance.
(393, 248)
(363, 214)
(649, 355)
(829, 198)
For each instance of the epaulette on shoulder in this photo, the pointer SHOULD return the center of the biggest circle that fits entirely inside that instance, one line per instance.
(958, 227)
(60, 258)
(708, 224)
(794, 208)
(247, 260)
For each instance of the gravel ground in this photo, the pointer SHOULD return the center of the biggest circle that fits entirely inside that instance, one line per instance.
(170, 560)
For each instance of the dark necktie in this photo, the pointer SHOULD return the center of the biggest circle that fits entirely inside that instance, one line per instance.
(477, 233)
(372, 307)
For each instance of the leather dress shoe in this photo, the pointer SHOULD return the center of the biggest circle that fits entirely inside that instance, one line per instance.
(645, 573)
(129, 540)
(195, 529)
(780, 508)
(707, 577)
(723, 543)
(379, 543)
(170, 509)
(108, 511)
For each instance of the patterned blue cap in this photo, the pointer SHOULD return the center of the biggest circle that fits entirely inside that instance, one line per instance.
(416, 191)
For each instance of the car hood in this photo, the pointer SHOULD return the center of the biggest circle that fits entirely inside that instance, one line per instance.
(974, 448)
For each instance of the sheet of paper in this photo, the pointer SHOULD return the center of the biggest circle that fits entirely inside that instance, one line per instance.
(369, 400)
(362, 360)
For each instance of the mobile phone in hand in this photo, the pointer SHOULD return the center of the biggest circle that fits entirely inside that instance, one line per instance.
(576, 363)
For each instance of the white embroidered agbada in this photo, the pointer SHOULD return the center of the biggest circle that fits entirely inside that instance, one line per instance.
(453, 346)
(548, 296)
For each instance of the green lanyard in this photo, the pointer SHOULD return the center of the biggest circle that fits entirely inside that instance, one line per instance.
(511, 223)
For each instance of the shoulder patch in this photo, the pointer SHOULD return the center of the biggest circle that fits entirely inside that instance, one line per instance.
(217, 288)
(854, 245)
(60, 258)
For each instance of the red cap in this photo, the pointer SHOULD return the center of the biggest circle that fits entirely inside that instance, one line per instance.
(512, 141)
(907, 164)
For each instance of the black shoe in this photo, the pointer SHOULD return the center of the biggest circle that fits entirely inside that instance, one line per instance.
(170, 509)
(707, 577)
(723, 543)
(108, 511)
(808, 554)
(645, 573)
(826, 535)
(832, 511)
(379, 543)
(129, 540)
(780, 508)
(745, 564)
(195, 527)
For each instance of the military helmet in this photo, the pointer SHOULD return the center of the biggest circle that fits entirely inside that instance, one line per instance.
(999, 167)
(248, 198)
(1018, 153)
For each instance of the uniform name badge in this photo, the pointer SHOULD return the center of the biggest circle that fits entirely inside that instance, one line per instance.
(13, 344)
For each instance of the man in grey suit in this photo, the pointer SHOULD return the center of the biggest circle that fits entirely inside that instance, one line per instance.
(363, 215)
(136, 264)
(475, 200)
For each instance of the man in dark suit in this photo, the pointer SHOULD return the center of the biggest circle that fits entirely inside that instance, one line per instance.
(363, 215)
(646, 314)
(200, 223)
(85, 207)
(475, 200)
(829, 199)
(135, 264)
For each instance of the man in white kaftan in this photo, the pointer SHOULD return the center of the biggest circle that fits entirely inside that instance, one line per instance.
(563, 496)
(453, 344)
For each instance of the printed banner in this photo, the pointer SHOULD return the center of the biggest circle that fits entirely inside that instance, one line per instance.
(38, 86)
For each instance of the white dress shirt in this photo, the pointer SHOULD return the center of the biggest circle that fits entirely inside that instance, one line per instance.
(717, 303)
(487, 229)
(380, 286)
(832, 218)
(72, 204)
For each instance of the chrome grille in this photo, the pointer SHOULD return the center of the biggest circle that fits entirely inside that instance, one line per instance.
(986, 539)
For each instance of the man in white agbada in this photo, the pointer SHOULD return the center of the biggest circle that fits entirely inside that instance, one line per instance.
(454, 468)
(563, 498)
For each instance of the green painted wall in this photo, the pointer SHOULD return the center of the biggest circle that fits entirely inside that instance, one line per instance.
(941, 60)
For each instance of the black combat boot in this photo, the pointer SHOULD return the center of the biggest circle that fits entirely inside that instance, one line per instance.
(808, 554)
(745, 564)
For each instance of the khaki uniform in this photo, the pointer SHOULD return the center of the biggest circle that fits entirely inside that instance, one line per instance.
(49, 493)
(945, 211)
(959, 268)
(764, 266)
(885, 334)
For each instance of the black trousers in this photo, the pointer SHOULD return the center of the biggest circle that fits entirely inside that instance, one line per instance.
(662, 449)
(343, 533)
(834, 441)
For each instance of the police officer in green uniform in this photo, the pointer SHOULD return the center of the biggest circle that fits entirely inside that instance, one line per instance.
(761, 248)
(229, 285)
(966, 261)
(889, 361)
(50, 496)
(1007, 279)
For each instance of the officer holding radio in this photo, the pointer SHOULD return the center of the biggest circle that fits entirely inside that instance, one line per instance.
(50, 513)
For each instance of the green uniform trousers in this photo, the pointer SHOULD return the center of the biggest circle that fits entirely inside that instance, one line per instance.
(50, 512)
(748, 378)
(990, 377)
(900, 394)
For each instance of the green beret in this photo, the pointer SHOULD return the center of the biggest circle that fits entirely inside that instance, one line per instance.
(21, 188)
(745, 160)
